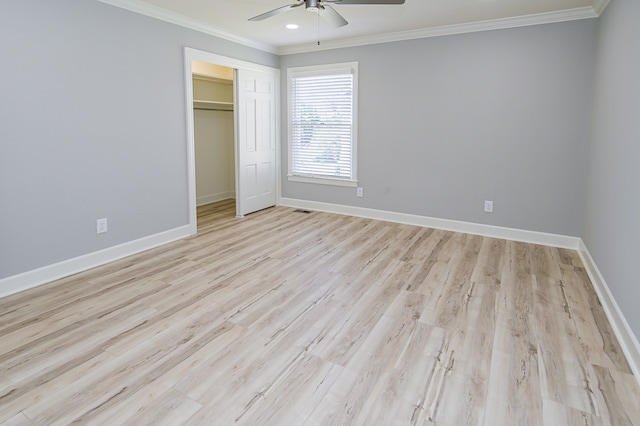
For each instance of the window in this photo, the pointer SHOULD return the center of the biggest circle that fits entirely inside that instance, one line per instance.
(322, 124)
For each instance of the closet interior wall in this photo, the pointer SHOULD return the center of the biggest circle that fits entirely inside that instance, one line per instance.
(214, 139)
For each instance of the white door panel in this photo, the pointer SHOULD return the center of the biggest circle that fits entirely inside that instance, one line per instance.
(257, 141)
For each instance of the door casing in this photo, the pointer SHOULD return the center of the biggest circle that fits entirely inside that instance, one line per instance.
(190, 55)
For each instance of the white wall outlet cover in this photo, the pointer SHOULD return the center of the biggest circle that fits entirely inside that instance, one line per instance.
(488, 206)
(360, 191)
(101, 226)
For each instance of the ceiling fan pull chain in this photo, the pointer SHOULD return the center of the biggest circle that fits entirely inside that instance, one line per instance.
(318, 13)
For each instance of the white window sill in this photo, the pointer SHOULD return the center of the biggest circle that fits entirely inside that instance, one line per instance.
(323, 181)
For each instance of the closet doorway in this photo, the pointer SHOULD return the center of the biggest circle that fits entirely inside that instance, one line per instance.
(255, 132)
(213, 127)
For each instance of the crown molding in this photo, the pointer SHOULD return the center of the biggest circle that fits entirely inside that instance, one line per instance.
(494, 24)
(600, 5)
(192, 24)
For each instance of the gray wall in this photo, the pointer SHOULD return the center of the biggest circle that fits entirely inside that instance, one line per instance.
(92, 125)
(612, 226)
(447, 122)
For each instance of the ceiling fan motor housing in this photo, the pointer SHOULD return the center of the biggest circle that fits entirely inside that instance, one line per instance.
(312, 5)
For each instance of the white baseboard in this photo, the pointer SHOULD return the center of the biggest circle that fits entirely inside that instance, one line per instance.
(532, 237)
(621, 328)
(627, 339)
(45, 274)
(213, 198)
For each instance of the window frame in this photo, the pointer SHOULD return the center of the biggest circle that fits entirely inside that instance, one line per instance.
(319, 70)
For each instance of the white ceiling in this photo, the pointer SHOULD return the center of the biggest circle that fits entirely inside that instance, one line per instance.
(367, 23)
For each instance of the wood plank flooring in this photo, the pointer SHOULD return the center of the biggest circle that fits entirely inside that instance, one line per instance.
(292, 318)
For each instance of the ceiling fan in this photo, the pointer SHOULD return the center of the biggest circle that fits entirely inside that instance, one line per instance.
(323, 8)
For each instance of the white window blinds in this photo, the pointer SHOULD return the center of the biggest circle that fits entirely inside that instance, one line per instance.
(322, 122)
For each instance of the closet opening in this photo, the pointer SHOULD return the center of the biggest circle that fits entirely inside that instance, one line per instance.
(214, 138)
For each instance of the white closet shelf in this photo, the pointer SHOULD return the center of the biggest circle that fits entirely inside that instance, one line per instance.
(213, 105)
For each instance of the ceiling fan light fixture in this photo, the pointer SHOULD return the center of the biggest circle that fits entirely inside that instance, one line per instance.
(323, 7)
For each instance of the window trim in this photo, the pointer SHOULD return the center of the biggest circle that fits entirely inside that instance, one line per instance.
(317, 70)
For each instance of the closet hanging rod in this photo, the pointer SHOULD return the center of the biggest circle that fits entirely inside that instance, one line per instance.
(213, 109)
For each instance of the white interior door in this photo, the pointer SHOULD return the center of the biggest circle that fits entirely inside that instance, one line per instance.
(256, 153)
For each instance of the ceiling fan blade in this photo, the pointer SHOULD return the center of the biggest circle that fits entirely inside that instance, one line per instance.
(369, 2)
(330, 15)
(275, 12)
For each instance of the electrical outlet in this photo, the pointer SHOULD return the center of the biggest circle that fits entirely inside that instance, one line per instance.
(101, 226)
(360, 192)
(488, 206)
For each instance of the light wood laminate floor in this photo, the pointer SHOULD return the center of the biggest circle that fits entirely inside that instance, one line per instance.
(292, 318)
